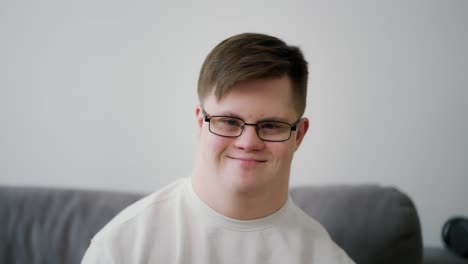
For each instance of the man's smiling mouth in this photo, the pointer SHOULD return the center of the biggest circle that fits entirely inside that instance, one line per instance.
(247, 159)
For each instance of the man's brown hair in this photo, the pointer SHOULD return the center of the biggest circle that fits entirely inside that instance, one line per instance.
(251, 56)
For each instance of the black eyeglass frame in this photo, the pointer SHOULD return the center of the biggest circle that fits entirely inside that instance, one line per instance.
(293, 126)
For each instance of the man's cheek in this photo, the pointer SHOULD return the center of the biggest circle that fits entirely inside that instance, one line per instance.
(219, 144)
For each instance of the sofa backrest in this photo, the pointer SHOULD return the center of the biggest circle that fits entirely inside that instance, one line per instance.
(372, 223)
(41, 225)
(53, 226)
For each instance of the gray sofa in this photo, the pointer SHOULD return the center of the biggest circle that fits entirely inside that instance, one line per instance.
(373, 224)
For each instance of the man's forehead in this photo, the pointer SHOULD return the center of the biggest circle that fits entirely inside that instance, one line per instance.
(221, 91)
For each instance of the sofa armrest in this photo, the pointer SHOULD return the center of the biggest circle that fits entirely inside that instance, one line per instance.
(434, 255)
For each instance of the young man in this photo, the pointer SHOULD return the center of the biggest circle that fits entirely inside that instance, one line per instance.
(235, 206)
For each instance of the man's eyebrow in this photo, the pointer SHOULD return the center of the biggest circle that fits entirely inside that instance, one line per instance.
(279, 119)
(228, 113)
(272, 118)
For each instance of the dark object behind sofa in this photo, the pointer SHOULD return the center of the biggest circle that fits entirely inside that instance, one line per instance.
(38, 225)
(455, 236)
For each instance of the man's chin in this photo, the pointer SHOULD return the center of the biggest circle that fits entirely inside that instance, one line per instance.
(242, 181)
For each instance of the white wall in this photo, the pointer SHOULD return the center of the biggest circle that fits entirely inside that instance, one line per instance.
(101, 94)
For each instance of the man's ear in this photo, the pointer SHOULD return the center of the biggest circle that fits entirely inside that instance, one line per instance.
(200, 119)
(301, 130)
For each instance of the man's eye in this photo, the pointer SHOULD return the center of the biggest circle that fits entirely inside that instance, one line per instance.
(270, 126)
(232, 122)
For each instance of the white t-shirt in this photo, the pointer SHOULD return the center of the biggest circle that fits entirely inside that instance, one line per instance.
(174, 226)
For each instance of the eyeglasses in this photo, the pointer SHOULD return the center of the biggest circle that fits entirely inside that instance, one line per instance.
(228, 126)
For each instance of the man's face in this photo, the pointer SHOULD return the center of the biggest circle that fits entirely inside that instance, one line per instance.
(246, 163)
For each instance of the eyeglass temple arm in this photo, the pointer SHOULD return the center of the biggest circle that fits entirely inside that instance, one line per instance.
(294, 126)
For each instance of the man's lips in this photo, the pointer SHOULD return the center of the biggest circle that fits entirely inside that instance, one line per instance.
(247, 159)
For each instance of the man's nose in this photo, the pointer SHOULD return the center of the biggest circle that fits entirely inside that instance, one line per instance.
(249, 139)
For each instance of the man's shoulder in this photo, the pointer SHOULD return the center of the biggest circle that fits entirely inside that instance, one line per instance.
(313, 235)
(143, 210)
(305, 222)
